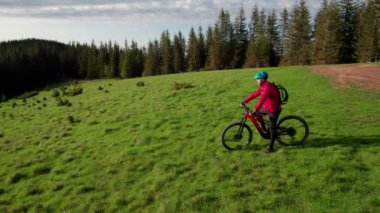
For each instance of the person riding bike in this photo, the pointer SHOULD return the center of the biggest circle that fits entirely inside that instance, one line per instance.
(268, 104)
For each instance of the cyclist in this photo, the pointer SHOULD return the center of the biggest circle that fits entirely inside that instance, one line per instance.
(268, 104)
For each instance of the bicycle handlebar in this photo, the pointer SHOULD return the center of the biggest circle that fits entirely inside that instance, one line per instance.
(243, 105)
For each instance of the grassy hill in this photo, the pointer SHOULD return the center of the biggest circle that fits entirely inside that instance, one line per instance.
(156, 147)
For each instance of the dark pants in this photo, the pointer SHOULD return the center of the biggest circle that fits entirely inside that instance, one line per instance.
(273, 117)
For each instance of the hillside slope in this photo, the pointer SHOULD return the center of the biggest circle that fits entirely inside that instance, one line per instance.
(156, 147)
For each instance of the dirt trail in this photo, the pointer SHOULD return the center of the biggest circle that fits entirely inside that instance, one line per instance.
(364, 75)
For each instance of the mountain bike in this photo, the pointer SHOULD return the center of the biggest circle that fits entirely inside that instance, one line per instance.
(291, 130)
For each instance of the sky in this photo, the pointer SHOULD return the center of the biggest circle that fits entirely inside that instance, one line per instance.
(119, 20)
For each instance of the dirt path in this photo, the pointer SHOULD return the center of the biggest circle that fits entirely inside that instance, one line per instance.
(364, 75)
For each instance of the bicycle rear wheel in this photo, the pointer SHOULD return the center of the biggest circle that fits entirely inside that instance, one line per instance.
(236, 136)
(292, 130)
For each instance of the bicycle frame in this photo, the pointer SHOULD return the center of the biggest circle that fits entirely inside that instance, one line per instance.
(256, 120)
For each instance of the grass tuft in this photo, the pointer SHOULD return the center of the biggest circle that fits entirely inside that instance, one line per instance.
(140, 84)
(180, 86)
(16, 178)
(63, 102)
(86, 189)
(42, 170)
(34, 191)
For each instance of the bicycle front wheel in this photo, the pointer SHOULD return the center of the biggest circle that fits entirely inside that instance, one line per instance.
(292, 130)
(236, 136)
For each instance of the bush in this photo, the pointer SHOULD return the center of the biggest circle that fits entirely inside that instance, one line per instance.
(140, 84)
(179, 86)
(63, 102)
(75, 90)
(55, 94)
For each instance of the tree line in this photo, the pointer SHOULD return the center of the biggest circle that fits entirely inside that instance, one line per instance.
(344, 31)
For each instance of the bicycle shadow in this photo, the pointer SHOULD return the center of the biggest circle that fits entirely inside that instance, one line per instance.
(345, 141)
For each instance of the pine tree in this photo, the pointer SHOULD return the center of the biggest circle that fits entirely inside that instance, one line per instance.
(123, 61)
(258, 48)
(377, 5)
(116, 60)
(284, 32)
(368, 32)
(272, 35)
(226, 31)
(193, 53)
(348, 31)
(111, 59)
(241, 39)
(179, 53)
(102, 61)
(298, 46)
(82, 60)
(134, 61)
(214, 51)
(326, 43)
(167, 53)
(92, 71)
(152, 61)
(202, 48)
(251, 55)
(209, 37)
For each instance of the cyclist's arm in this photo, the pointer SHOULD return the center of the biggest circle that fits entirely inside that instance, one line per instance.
(252, 96)
(264, 96)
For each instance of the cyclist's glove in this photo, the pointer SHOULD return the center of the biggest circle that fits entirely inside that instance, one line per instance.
(242, 104)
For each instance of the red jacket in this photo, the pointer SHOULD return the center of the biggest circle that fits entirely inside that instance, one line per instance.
(269, 98)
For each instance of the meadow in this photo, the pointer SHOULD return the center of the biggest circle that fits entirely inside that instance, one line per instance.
(153, 145)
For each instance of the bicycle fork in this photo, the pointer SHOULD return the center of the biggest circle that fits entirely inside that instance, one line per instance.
(242, 122)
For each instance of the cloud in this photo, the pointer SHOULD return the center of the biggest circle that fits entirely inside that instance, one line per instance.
(135, 10)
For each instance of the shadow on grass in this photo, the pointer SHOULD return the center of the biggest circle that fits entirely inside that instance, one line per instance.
(373, 140)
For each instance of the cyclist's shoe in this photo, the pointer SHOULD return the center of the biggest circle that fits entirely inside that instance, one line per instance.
(269, 149)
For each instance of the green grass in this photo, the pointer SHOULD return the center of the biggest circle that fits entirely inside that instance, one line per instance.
(155, 147)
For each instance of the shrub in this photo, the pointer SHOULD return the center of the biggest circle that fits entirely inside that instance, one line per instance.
(55, 94)
(140, 84)
(63, 102)
(74, 90)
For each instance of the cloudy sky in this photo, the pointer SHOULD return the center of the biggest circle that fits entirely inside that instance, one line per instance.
(117, 20)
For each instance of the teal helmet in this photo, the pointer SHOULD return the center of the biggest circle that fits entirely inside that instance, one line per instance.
(261, 74)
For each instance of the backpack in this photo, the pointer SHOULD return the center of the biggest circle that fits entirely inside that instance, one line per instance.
(282, 94)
